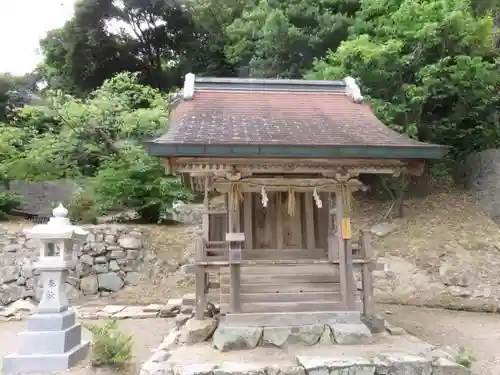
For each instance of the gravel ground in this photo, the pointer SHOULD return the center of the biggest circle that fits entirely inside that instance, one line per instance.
(147, 334)
(479, 333)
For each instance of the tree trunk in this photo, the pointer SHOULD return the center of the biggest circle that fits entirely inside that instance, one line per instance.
(400, 194)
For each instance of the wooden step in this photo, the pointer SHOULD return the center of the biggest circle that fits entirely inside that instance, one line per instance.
(307, 306)
(284, 288)
(285, 297)
(285, 278)
(270, 319)
(255, 254)
(288, 269)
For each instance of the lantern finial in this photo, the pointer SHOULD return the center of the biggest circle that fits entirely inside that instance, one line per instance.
(60, 211)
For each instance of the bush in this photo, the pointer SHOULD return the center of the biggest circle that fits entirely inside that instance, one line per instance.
(110, 348)
(8, 201)
(132, 179)
(464, 357)
(83, 209)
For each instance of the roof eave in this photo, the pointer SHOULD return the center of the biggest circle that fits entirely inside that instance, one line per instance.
(428, 152)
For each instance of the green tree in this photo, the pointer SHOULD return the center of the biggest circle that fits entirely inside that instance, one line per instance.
(98, 139)
(82, 54)
(15, 92)
(429, 68)
(282, 38)
(106, 37)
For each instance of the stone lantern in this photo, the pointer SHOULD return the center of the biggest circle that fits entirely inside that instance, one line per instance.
(53, 339)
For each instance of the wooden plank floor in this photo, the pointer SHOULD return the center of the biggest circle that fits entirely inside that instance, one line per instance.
(290, 288)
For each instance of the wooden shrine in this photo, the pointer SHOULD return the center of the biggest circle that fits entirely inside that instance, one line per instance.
(286, 155)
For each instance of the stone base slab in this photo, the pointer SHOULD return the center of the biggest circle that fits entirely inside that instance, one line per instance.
(226, 338)
(44, 363)
(50, 342)
(51, 322)
(291, 319)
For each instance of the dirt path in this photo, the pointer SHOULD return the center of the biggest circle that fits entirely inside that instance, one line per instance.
(478, 333)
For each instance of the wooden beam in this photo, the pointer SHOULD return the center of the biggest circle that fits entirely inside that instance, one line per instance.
(218, 166)
(285, 183)
(286, 162)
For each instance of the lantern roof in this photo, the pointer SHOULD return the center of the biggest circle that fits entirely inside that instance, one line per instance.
(59, 227)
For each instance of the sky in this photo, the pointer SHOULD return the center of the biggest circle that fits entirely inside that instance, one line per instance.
(22, 24)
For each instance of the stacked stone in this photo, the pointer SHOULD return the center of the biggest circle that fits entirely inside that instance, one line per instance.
(109, 259)
(393, 352)
(187, 305)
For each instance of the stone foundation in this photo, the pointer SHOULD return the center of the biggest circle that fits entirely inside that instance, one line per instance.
(207, 347)
(204, 348)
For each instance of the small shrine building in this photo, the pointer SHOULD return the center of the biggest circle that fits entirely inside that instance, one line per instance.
(284, 153)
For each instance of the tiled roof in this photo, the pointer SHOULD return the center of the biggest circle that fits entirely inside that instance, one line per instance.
(40, 198)
(278, 113)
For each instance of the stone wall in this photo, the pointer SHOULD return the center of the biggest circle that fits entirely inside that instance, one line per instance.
(192, 213)
(482, 175)
(109, 259)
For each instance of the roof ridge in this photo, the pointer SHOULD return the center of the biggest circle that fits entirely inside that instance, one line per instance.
(193, 84)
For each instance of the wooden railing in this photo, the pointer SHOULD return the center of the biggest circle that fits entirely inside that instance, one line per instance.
(211, 255)
(357, 256)
(216, 253)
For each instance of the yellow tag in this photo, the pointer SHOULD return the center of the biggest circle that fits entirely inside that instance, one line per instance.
(346, 228)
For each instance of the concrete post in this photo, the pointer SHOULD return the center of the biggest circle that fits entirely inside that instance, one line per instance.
(53, 339)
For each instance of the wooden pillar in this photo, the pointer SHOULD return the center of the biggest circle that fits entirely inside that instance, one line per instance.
(247, 220)
(235, 239)
(206, 214)
(309, 218)
(333, 243)
(331, 221)
(296, 220)
(347, 285)
(280, 211)
(201, 288)
(367, 277)
(201, 274)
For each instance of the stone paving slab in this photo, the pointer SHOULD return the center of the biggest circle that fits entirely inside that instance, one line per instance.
(20, 309)
(167, 310)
